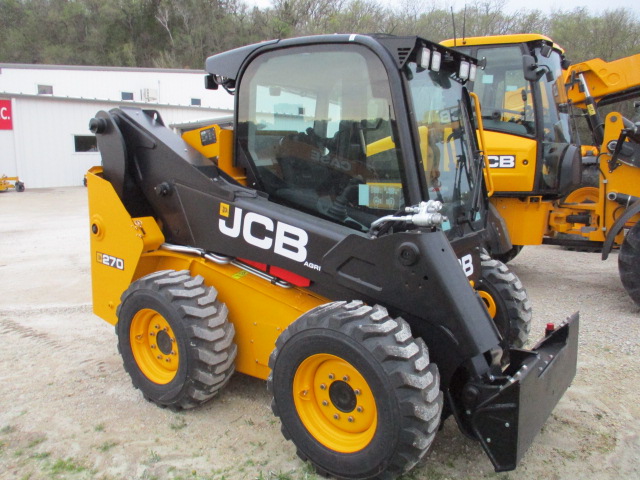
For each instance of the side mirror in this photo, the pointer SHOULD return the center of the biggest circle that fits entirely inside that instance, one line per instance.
(546, 50)
(530, 68)
(549, 74)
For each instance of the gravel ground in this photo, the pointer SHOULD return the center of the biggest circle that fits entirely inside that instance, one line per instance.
(68, 409)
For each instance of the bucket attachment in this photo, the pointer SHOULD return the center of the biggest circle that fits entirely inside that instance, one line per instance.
(513, 409)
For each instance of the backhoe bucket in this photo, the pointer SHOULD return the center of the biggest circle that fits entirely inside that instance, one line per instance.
(507, 421)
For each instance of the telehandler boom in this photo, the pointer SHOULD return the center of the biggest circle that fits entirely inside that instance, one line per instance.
(309, 247)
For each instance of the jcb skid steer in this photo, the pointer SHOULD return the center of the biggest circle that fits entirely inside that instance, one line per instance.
(311, 250)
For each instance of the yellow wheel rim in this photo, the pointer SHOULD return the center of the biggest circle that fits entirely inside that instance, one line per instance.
(154, 346)
(489, 302)
(583, 195)
(335, 403)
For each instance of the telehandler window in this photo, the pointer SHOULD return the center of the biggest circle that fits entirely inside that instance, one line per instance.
(505, 95)
(317, 125)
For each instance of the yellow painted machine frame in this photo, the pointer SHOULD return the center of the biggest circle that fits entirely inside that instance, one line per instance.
(125, 249)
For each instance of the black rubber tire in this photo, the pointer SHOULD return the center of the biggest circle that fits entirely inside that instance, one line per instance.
(396, 367)
(513, 308)
(629, 263)
(509, 255)
(202, 332)
(19, 187)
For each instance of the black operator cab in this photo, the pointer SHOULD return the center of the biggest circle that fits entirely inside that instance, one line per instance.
(355, 129)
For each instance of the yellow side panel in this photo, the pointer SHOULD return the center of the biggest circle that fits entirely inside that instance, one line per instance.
(258, 310)
(216, 143)
(526, 220)
(507, 176)
(117, 241)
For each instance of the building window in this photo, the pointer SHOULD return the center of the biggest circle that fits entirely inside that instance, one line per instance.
(196, 102)
(45, 90)
(127, 96)
(85, 143)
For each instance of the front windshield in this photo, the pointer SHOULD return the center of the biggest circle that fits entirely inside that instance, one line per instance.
(447, 142)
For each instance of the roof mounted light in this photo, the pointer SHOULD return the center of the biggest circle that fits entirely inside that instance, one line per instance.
(425, 56)
(473, 70)
(464, 70)
(436, 59)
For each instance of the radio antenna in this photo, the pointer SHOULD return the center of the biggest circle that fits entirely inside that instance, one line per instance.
(453, 21)
(464, 23)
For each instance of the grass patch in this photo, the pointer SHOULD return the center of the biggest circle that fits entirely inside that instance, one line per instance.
(7, 429)
(106, 446)
(67, 465)
(41, 455)
(36, 442)
(179, 424)
(154, 457)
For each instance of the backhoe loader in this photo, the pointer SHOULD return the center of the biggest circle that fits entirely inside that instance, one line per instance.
(545, 189)
(327, 242)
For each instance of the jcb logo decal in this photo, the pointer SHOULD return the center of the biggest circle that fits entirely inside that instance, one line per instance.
(502, 161)
(263, 232)
(110, 260)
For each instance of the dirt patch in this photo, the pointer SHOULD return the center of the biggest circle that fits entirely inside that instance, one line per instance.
(68, 409)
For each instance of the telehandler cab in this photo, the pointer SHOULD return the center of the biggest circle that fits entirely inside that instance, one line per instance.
(544, 188)
(308, 247)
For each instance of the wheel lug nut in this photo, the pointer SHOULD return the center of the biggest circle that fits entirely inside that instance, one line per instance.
(360, 409)
(152, 334)
(351, 419)
(153, 346)
(167, 360)
(173, 352)
(159, 357)
(357, 391)
(157, 327)
(336, 416)
(323, 387)
(331, 376)
(345, 378)
(325, 403)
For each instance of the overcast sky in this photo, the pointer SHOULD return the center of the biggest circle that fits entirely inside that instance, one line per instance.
(546, 6)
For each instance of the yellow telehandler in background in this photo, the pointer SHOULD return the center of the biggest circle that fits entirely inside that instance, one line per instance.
(547, 188)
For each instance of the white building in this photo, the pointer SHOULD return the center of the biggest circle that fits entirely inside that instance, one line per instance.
(45, 112)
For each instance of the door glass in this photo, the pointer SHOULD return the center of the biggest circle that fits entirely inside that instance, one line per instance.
(505, 95)
(317, 125)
